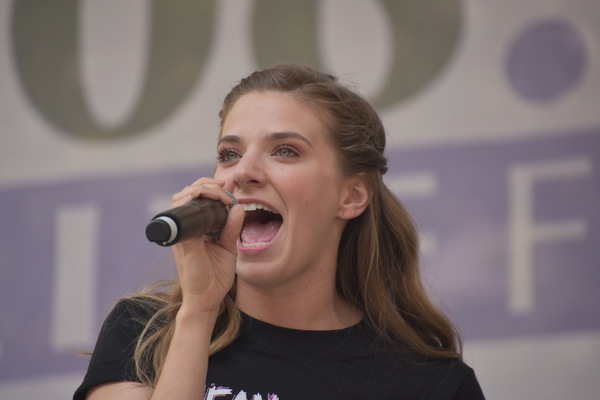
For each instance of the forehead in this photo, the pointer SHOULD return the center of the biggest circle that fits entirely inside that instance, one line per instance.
(273, 111)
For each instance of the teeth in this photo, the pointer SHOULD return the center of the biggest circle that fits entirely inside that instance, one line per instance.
(254, 245)
(256, 206)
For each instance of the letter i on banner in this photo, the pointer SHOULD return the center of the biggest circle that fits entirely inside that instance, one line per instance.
(74, 286)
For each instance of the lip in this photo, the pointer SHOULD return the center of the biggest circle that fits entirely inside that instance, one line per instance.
(253, 251)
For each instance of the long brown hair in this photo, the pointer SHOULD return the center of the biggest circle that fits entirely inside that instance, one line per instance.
(378, 257)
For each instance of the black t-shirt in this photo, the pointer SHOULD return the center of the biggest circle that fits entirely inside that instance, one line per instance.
(270, 362)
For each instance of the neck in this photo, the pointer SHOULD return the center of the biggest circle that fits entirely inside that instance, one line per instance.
(312, 307)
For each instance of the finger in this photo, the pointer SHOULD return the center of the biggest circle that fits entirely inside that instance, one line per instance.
(200, 190)
(190, 188)
(224, 196)
(204, 180)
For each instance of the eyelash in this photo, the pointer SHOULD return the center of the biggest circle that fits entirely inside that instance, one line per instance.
(221, 156)
(223, 153)
(292, 149)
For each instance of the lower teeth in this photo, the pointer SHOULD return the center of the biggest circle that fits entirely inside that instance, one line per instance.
(259, 244)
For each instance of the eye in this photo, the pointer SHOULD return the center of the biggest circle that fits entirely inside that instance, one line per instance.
(227, 155)
(285, 151)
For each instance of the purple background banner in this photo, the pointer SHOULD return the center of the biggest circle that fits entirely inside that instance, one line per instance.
(468, 215)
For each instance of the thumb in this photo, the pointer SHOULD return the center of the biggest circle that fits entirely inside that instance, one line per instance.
(232, 228)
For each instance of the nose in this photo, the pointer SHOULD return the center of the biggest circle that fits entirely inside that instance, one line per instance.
(249, 172)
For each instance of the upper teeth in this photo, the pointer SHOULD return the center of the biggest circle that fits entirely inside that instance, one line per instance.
(256, 206)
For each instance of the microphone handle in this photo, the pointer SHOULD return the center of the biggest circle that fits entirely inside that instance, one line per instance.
(198, 217)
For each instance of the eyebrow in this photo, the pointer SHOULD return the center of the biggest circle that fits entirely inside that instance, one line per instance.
(268, 138)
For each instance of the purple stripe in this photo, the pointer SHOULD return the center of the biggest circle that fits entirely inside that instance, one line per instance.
(468, 217)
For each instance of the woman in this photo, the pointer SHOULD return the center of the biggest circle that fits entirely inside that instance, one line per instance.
(312, 290)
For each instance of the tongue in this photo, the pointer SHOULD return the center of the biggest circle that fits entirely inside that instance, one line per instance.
(255, 232)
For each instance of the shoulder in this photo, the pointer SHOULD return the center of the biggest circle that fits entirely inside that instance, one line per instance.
(124, 324)
(422, 376)
(449, 378)
(139, 307)
(468, 385)
(130, 315)
(122, 328)
(112, 359)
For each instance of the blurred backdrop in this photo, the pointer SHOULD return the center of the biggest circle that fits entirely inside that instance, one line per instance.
(492, 109)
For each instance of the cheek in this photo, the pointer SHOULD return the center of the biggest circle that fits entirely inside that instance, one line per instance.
(225, 176)
(317, 195)
(218, 174)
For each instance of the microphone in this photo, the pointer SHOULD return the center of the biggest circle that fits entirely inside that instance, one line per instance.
(198, 217)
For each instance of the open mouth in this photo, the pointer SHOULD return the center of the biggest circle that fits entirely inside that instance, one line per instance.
(261, 224)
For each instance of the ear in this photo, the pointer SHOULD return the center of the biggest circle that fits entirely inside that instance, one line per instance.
(355, 198)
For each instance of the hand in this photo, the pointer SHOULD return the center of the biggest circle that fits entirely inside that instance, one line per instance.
(207, 269)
